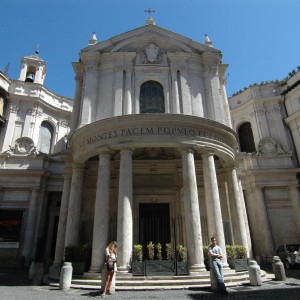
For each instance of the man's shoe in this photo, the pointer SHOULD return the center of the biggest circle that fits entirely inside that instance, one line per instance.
(224, 292)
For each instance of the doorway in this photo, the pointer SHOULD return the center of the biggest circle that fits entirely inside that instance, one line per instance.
(154, 225)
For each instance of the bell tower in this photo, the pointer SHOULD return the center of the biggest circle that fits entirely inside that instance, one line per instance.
(33, 69)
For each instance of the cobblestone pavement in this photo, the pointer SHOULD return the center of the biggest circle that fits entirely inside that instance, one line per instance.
(14, 285)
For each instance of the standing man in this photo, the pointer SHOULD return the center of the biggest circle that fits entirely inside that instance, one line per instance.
(215, 253)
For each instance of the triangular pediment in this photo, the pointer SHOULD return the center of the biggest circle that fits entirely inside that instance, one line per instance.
(140, 38)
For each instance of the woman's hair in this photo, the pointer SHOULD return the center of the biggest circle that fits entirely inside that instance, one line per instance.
(112, 247)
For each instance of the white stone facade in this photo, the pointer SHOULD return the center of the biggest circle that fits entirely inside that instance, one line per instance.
(149, 132)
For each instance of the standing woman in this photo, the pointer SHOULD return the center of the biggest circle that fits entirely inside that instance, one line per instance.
(111, 266)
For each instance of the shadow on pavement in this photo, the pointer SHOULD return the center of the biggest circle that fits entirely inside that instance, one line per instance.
(14, 277)
(279, 293)
(92, 294)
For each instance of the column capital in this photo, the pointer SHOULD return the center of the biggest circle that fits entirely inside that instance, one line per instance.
(230, 165)
(128, 148)
(104, 152)
(186, 149)
(207, 152)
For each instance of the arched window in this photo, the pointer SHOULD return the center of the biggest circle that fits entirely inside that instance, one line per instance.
(246, 138)
(152, 98)
(45, 138)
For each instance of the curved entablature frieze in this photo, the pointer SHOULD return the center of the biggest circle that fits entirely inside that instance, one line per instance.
(157, 130)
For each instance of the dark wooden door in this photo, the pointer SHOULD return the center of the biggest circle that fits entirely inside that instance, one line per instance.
(154, 225)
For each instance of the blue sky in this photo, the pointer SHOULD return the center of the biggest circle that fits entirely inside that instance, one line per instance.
(259, 39)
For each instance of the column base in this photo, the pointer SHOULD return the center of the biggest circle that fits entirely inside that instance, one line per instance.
(92, 274)
(197, 268)
(95, 269)
(54, 272)
(123, 270)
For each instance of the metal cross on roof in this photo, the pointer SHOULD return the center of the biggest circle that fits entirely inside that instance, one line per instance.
(149, 11)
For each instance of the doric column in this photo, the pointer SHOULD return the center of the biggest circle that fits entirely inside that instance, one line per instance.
(128, 101)
(175, 92)
(212, 199)
(295, 200)
(27, 248)
(236, 208)
(264, 235)
(192, 212)
(62, 222)
(73, 221)
(101, 216)
(125, 222)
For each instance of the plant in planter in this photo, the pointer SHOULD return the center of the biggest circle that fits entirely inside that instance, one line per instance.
(79, 256)
(158, 266)
(137, 265)
(137, 253)
(236, 257)
(181, 253)
(240, 251)
(182, 267)
(206, 257)
(169, 251)
(159, 251)
(240, 261)
(151, 250)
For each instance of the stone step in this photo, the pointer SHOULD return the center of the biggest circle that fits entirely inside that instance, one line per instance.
(136, 283)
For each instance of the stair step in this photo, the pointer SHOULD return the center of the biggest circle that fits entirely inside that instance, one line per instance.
(142, 283)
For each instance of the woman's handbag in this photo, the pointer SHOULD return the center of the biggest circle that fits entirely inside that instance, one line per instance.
(110, 265)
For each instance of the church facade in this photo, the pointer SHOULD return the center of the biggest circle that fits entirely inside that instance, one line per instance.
(150, 149)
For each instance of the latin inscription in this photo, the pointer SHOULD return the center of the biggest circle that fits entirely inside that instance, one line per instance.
(136, 131)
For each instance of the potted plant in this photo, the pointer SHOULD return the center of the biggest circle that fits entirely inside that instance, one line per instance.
(240, 261)
(182, 267)
(230, 250)
(236, 257)
(78, 256)
(169, 251)
(206, 257)
(151, 249)
(158, 266)
(159, 251)
(137, 265)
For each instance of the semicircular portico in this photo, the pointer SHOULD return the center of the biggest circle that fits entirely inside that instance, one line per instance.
(153, 130)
